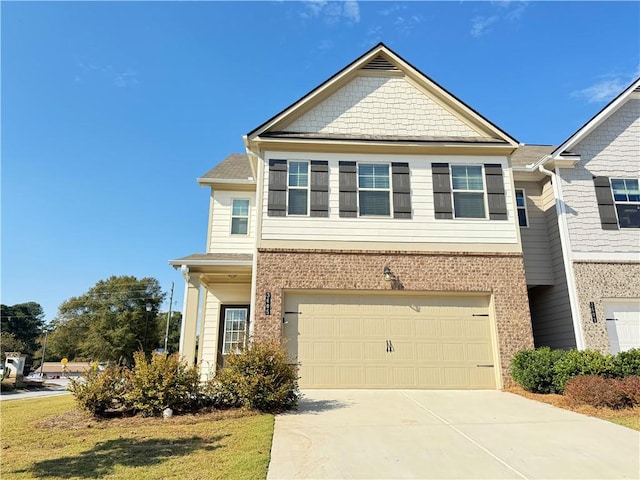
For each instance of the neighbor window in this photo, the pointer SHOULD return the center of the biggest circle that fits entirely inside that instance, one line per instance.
(373, 189)
(626, 195)
(240, 217)
(235, 330)
(298, 191)
(468, 191)
(521, 203)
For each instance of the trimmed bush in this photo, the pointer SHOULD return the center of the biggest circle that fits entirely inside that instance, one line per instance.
(534, 370)
(99, 392)
(630, 387)
(596, 391)
(259, 378)
(626, 364)
(582, 362)
(163, 382)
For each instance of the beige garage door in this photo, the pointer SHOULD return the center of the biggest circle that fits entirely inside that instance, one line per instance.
(385, 341)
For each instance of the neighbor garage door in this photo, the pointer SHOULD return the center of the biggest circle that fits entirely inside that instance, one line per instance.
(623, 324)
(390, 341)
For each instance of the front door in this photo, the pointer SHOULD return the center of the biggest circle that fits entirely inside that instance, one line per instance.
(234, 330)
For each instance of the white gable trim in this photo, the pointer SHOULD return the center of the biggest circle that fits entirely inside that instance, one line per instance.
(331, 85)
(597, 120)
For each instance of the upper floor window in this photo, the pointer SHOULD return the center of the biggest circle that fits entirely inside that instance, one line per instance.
(626, 195)
(373, 189)
(468, 191)
(240, 217)
(298, 186)
(521, 204)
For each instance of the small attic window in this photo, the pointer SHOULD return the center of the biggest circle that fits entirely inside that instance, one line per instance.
(380, 63)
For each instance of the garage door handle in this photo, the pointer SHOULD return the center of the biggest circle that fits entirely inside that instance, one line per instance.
(611, 319)
(484, 365)
(388, 348)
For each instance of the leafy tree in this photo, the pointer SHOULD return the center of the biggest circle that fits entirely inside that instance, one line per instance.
(173, 344)
(24, 321)
(110, 322)
(9, 343)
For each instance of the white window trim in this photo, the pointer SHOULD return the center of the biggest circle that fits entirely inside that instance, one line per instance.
(526, 210)
(364, 189)
(485, 200)
(616, 202)
(235, 216)
(224, 330)
(307, 188)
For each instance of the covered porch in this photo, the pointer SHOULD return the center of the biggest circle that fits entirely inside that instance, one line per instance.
(216, 309)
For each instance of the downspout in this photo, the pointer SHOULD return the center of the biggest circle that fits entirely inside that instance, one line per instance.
(563, 230)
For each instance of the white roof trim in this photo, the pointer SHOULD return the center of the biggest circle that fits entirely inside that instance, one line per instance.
(357, 64)
(600, 117)
(228, 181)
(211, 263)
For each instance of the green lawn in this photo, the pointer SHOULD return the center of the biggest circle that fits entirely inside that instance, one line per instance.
(49, 438)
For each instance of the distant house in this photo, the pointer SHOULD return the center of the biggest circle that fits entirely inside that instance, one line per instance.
(71, 369)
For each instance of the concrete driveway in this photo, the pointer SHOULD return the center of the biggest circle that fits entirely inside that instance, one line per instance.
(394, 434)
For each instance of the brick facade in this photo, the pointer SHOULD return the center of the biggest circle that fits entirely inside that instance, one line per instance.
(598, 280)
(501, 275)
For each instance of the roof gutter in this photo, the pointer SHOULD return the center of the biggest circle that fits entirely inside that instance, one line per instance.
(563, 230)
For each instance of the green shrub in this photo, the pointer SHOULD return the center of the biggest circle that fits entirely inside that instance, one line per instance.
(627, 363)
(596, 391)
(534, 370)
(582, 362)
(163, 382)
(99, 392)
(259, 378)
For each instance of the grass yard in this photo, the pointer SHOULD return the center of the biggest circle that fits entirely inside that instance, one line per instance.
(49, 438)
(629, 417)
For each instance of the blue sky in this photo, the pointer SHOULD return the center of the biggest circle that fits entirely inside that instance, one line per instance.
(110, 111)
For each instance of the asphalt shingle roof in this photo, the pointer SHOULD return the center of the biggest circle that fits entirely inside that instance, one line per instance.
(528, 154)
(235, 167)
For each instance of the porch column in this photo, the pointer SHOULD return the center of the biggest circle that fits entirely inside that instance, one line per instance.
(190, 318)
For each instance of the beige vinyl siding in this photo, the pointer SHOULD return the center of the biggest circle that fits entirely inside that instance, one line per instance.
(535, 237)
(550, 308)
(422, 227)
(220, 238)
(218, 295)
(611, 150)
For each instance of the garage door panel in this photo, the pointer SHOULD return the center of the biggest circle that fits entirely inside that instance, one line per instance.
(341, 341)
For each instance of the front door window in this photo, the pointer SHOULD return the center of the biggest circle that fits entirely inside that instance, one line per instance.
(235, 330)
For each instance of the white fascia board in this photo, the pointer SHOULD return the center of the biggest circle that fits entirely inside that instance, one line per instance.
(204, 181)
(211, 263)
(382, 143)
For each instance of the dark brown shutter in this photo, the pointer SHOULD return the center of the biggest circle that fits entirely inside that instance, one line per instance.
(348, 189)
(606, 206)
(441, 190)
(401, 190)
(319, 188)
(495, 191)
(277, 206)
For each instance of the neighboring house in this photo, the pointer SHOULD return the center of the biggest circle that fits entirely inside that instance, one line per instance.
(371, 226)
(582, 244)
